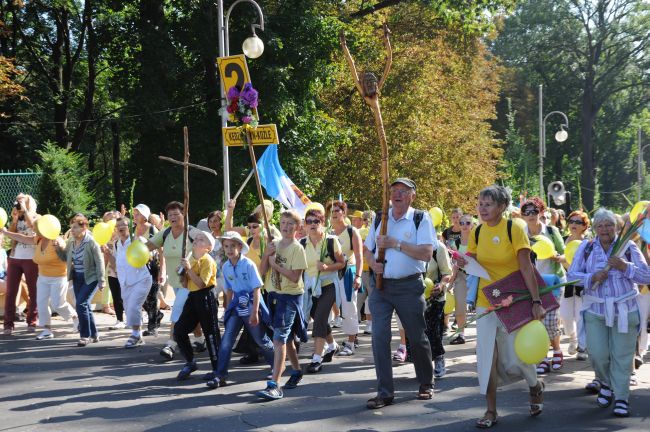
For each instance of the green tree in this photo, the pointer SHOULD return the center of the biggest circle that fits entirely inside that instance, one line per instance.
(62, 189)
(594, 58)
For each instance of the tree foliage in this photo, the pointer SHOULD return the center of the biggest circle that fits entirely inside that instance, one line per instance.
(62, 190)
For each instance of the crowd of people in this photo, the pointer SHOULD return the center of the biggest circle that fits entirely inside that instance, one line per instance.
(320, 270)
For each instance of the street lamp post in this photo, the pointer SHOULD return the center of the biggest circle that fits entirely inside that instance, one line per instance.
(560, 136)
(253, 47)
(640, 175)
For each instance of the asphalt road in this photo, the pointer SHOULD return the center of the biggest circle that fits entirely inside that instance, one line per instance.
(52, 385)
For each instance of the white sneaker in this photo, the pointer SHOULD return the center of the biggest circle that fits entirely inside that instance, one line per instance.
(45, 334)
(338, 322)
(573, 348)
(368, 329)
(119, 325)
(347, 350)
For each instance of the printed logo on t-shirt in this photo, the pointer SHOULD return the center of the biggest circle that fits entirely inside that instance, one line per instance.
(496, 240)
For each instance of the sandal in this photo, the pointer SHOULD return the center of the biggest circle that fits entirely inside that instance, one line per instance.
(379, 402)
(537, 405)
(557, 361)
(594, 386)
(621, 408)
(543, 367)
(605, 396)
(83, 342)
(425, 392)
(485, 422)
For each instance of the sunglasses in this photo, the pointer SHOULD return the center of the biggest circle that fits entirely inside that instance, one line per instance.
(530, 212)
(464, 223)
(576, 221)
(312, 221)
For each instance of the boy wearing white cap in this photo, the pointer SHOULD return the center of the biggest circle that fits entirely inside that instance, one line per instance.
(245, 305)
(201, 304)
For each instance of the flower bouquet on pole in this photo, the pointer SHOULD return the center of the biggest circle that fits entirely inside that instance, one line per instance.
(242, 110)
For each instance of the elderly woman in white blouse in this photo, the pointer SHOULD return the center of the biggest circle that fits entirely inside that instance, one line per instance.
(610, 310)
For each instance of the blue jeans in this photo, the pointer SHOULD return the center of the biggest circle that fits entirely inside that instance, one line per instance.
(232, 327)
(83, 292)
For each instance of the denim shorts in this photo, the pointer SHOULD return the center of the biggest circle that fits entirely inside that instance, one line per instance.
(284, 315)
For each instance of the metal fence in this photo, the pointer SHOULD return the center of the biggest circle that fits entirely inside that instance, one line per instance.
(13, 183)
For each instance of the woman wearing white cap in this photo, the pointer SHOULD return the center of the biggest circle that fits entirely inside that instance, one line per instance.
(143, 228)
(134, 282)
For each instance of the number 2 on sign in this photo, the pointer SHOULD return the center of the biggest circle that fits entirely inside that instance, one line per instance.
(233, 71)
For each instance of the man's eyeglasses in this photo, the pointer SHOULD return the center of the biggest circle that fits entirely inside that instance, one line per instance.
(576, 221)
(312, 221)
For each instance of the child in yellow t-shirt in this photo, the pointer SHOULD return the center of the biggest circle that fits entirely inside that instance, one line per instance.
(201, 304)
(285, 258)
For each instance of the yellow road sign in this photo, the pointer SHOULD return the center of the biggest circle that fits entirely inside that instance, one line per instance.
(263, 135)
(233, 71)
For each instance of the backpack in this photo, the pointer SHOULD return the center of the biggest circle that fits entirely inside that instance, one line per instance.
(418, 215)
(169, 230)
(330, 252)
(590, 247)
(509, 228)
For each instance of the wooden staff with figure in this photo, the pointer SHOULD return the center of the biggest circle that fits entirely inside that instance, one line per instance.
(370, 89)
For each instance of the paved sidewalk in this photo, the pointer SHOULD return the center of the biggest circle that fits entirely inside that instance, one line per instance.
(54, 386)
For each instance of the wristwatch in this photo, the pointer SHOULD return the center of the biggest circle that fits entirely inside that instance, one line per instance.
(539, 302)
(399, 246)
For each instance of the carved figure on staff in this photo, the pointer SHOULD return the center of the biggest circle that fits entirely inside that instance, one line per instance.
(370, 88)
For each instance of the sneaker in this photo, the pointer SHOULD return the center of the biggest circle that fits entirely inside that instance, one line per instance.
(294, 380)
(271, 392)
(199, 346)
(458, 340)
(31, 329)
(249, 359)
(119, 325)
(400, 355)
(167, 352)
(153, 333)
(315, 367)
(573, 348)
(133, 342)
(216, 382)
(45, 334)
(347, 350)
(8, 331)
(439, 369)
(83, 342)
(638, 361)
(582, 354)
(186, 371)
(327, 358)
(338, 322)
(75, 324)
(368, 329)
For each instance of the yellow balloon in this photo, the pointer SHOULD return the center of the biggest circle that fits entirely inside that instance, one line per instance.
(428, 286)
(638, 209)
(570, 250)
(137, 254)
(450, 303)
(436, 216)
(532, 342)
(102, 233)
(3, 217)
(363, 232)
(543, 247)
(49, 226)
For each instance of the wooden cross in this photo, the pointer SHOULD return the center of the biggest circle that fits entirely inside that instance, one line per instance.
(186, 164)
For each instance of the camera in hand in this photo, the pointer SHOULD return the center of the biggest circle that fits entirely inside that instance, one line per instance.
(180, 270)
(17, 205)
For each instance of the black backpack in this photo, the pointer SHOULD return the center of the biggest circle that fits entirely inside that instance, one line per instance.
(478, 230)
(330, 251)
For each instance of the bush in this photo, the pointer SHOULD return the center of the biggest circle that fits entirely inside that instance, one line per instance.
(63, 188)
